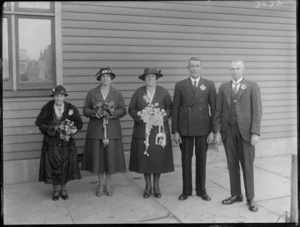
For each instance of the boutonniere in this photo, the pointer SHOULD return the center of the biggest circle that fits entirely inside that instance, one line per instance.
(202, 87)
(243, 86)
(71, 112)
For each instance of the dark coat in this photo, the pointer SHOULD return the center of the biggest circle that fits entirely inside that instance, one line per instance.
(248, 109)
(95, 128)
(137, 103)
(58, 163)
(46, 120)
(193, 112)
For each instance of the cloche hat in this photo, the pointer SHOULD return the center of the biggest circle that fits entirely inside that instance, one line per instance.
(58, 90)
(149, 70)
(103, 71)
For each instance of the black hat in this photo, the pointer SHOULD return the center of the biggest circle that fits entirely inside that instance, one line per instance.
(58, 90)
(103, 71)
(151, 71)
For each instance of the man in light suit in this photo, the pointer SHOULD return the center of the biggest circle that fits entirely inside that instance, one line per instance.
(192, 124)
(237, 121)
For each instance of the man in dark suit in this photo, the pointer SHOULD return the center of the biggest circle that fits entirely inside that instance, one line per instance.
(237, 121)
(192, 124)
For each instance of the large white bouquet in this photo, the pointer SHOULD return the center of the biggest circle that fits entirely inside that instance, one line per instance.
(152, 115)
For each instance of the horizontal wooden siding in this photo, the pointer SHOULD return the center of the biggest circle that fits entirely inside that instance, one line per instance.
(128, 36)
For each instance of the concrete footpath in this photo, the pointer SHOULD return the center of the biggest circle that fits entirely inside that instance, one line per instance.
(31, 203)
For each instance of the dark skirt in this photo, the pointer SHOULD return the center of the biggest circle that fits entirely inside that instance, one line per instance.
(99, 159)
(59, 164)
(160, 160)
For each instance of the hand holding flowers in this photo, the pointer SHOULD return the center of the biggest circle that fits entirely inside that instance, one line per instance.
(66, 129)
(105, 111)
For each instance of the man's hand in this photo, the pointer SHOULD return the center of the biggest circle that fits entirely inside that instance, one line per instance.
(254, 139)
(177, 138)
(218, 137)
(211, 137)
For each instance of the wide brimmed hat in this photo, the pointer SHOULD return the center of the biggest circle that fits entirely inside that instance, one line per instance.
(58, 90)
(103, 71)
(151, 71)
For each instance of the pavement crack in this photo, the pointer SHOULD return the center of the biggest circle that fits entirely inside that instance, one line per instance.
(271, 172)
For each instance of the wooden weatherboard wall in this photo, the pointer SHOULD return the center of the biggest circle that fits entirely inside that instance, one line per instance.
(128, 36)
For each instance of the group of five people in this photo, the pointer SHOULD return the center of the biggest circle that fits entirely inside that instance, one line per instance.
(198, 114)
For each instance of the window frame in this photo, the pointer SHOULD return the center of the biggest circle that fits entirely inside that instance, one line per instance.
(30, 85)
(8, 84)
(55, 16)
(20, 9)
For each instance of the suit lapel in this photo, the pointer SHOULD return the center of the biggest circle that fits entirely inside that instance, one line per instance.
(243, 87)
(201, 89)
(156, 94)
(110, 94)
(228, 91)
(188, 87)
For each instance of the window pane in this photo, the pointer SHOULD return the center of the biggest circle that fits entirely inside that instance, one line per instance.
(5, 63)
(35, 50)
(34, 5)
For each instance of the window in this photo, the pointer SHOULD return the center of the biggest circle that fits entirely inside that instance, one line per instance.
(28, 53)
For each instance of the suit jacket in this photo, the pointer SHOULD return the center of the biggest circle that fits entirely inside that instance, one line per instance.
(95, 128)
(193, 112)
(137, 103)
(248, 109)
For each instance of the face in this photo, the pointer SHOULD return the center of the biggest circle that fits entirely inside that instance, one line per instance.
(59, 99)
(195, 68)
(150, 80)
(105, 79)
(237, 69)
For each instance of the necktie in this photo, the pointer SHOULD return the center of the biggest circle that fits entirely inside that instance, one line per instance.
(195, 85)
(235, 88)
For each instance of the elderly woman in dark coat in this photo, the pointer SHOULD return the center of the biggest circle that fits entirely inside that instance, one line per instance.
(58, 163)
(157, 158)
(103, 152)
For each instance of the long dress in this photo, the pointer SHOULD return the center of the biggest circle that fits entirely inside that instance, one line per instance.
(160, 159)
(97, 158)
(58, 163)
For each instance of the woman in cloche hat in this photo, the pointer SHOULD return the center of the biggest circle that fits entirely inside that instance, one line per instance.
(59, 163)
(103, 150)
(151, 152)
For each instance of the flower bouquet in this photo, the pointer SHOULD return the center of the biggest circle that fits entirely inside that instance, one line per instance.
(105, 111)
(152, 115)
(66, 129)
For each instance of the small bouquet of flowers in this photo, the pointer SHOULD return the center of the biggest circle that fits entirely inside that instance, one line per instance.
(66, 129)
(152, 115)
(105, 111)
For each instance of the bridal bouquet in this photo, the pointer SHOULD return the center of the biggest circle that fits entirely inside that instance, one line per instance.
(152, 115)
(105, 111)
(66, 129)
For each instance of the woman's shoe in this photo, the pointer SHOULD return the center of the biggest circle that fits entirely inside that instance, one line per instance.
(109, 190)
(55, 195)
(147, 193)
(100, 190)
(64, 195)
(157, 194)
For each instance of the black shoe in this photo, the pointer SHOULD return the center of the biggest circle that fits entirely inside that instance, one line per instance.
(64, 195)
(233, 199)
(252, 205)
(204, 197)
(183, 196)
(147, 193)
(157, 194)
(55, 195)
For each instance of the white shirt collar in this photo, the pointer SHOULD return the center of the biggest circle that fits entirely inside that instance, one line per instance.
(238, 81)
(197, 80)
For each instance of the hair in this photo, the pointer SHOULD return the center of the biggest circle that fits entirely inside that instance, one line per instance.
(195, 59)
(237, 60)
